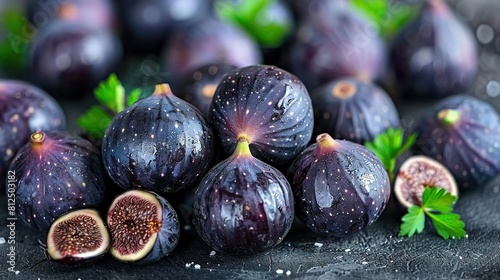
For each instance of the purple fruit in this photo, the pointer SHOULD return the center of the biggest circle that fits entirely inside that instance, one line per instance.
(209, 41)
(56, 173)
(98, 12)
(24, 109)
(70, 59)
(436, 55)
(198, 88)
(148, 23)
(160, 143)
(267, 105)
(243, 205)
(353, 110)
(144, 227)
(78, 238)
(339, 187)
(336, 43)
(463, 133)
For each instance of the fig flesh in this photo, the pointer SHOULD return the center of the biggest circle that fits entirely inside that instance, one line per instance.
(243, 205)
(160, 143)
(78, 238)
(418, 172)
(144, 227)
(463, 133)
(340, 187)
(353, 110)
(56, 173)
(269, 106)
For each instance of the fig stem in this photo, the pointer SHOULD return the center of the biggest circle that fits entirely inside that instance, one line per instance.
(243, 147)
(208, 91)
(162, 89)
(37, 137)
(325, 141)
(448, 116)
(344, 89)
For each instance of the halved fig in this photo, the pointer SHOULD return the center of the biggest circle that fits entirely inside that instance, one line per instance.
(143, 226)
(78, 238)
(418, 172)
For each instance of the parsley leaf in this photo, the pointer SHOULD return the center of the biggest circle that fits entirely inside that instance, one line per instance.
(434, 199)
(388, 146)
(111, 96)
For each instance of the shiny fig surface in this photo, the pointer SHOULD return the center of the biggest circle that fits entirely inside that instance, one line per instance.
(353, 110)
(144, 227)
(269, 106)
(339, 187)
(56, 173)
(463, 133)
(160, 143)
(24, 109)
(436, 55)
(243, 205)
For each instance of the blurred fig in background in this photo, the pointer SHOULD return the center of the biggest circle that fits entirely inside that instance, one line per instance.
(205, 42)
(99, 12)
(147, 23)
(336, 41)
(436, 55)
(24, 109)
(69, 59)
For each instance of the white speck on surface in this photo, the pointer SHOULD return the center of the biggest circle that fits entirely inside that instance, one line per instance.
(17, 272)
(288, 272)
(347, 250)
(212, 253)
(2, 240)
(460, 257)
(364, 263)
(189, 264)
(197, 266)
(319, 245)
(279, 271)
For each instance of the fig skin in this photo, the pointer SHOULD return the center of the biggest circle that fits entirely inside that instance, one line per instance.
(83, 227)
(198, 88)
(69, 59)
(436, 55)
(339, 187)
(463, 133)
(269, 106)
(208, 41)
(56, 173)
(165, 230)
(243, 205)
(24, 109)
(336, 42)
(354, 110)
(160, 143)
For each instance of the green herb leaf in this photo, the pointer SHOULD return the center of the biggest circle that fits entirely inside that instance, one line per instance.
(434, 199)
(111, 94)
(14, 42)
(134, 95)
(94, 122)
(413, 222)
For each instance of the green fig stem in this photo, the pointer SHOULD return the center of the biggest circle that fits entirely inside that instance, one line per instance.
(448, 116)
(162, 89)
(326, 142)
(37, 137)
(243, 147)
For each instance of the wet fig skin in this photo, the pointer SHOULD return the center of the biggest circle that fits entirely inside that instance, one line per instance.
(354, 110)
(243, 206)
(339, 187)
(268, 105)
(469, 146)
(160, 143)
(24, 109)
(436, 55)
(56, 173)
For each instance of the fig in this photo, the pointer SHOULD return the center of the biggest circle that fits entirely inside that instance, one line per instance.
(418, 172)
(337, 42)
(208, 41)
(198, 88)
(56, 173)
(243, 205)
(436, 55)
(350, 109)
(269, 106)
(463, 133)
(339, 187)
(78, 238)
(144, 227)
(24, 109)
(160, 143)
(69, 59)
